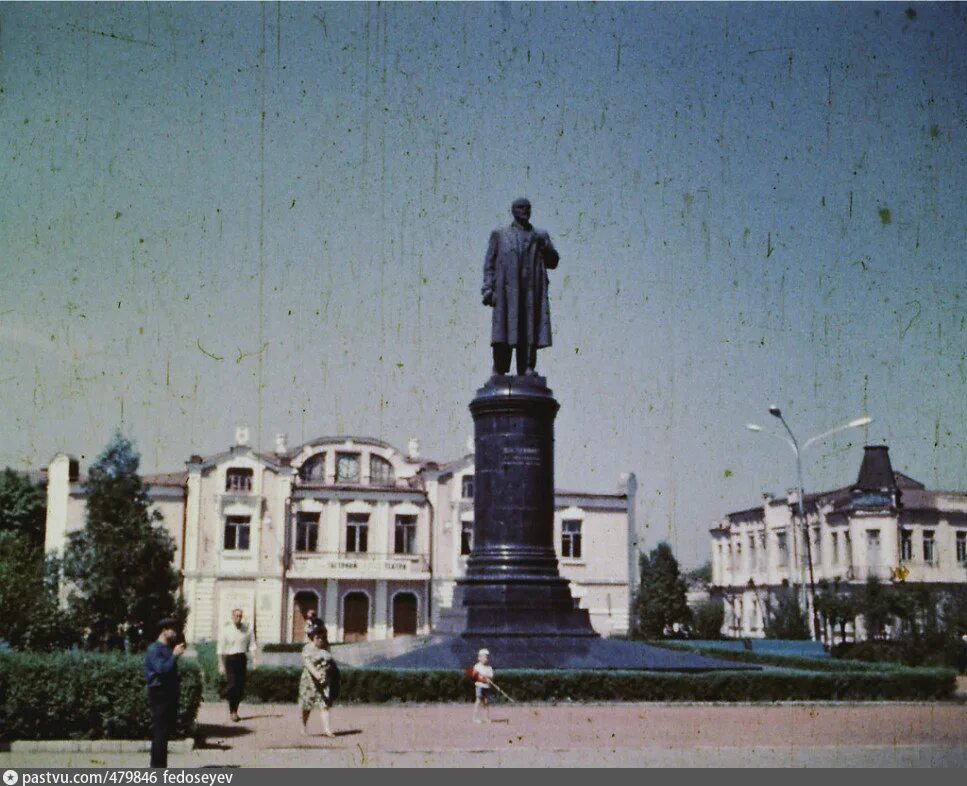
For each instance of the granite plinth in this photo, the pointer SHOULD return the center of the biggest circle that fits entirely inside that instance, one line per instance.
(553, 652)
(512, 585)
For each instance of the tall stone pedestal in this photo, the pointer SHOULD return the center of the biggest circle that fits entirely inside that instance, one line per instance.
(513, 600)
(512, 585)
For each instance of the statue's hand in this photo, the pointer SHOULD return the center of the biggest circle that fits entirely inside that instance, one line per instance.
(488, 298)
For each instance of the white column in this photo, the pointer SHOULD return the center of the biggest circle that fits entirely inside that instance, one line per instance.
(331, 613)
(380, 611)
(58, 493)
(384, 521)
(331, 524)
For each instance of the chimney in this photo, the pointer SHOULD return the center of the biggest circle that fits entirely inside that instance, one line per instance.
(281, 444)
(413, 449)
(241, 436)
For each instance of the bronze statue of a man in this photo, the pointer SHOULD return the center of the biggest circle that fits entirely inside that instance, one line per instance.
(515, 285)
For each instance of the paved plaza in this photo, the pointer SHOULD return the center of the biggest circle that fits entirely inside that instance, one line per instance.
(568, 735)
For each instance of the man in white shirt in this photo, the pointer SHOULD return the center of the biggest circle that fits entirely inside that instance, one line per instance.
(234, 644)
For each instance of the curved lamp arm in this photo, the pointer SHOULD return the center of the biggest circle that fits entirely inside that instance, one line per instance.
(863, 421)
(760, 430)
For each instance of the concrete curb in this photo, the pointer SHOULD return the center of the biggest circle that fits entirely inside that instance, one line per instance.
(92, 746)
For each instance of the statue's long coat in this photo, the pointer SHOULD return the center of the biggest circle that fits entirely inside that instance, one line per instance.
(515, 271)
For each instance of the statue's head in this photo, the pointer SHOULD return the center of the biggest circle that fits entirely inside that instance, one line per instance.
(521, 210)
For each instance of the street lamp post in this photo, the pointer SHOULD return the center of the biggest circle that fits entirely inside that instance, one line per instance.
(794, 444)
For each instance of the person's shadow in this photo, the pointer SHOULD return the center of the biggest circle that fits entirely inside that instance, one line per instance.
(205, 732)
(340, 733)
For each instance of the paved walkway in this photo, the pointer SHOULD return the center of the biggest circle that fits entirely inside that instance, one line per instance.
(570, 736)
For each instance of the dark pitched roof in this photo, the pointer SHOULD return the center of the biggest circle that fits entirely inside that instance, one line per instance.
(876, 472)
(905, 482)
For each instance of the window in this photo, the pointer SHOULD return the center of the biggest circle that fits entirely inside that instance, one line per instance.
(466, 537)
(237, 530)
(467, 487)
(873, 550)
(347, 468)
(906, 545)
(357, 532)
(307, 532)
(929, 547)
(783, 552)
(405, 540)
(961, 546)
(314, 468)
(834, 537)
(238, 479)
(380, 471)
(571, 538)
(817, 547)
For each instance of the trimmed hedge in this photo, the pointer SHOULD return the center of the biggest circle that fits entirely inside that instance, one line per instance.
(371, 686)
(949, 652)
(294, 646)
(83, 696)
(284, 647)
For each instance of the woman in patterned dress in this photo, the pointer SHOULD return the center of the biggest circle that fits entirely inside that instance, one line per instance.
(314, 684)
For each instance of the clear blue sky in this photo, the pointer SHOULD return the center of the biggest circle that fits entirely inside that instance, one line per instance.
(277, 214)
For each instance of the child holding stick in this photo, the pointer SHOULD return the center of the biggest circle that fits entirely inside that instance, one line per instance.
(483, 675)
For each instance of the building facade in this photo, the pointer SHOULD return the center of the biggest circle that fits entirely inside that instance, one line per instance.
(371, 538)
(886, 525)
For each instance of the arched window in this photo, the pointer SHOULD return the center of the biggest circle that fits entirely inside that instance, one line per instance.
(313, 469)
(380, 471)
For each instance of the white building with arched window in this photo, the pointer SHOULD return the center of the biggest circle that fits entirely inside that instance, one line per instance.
(371, 538)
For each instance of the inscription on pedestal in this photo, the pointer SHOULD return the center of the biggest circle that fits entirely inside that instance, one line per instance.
(520, 456)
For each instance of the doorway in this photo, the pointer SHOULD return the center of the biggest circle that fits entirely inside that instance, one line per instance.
(301, 604)
(355, 617)
(404, 614)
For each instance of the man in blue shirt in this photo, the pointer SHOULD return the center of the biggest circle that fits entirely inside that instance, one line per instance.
(161, 676)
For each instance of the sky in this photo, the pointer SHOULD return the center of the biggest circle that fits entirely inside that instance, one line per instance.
(275, 215)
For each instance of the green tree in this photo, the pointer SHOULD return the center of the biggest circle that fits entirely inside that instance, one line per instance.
(28, 581)
(28, 596)
(120, 565)
(23, 506)
(877, 605)
(953, 621)
(661, 595)
(836, 609)
(701, 576)
(785, 618)
(708, 620)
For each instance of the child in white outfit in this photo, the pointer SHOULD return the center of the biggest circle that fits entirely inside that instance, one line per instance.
(483, 675)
